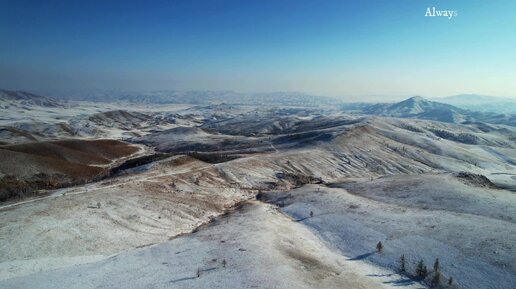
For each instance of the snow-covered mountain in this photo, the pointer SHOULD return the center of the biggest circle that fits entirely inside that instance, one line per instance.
(420, 108)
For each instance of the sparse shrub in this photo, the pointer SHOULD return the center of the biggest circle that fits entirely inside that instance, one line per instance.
(467, 138)
(379, 247)
(450, 281)
(474, 179)
(311, 214)
(198, 272)
(462, 137)
(224, 263)
(298, 179)
(12, 188)
(212, 157)
(443, 134)
(402, 263)
(411, 128)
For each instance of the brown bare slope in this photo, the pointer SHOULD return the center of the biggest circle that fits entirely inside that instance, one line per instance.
(96, 152)
(26, 168)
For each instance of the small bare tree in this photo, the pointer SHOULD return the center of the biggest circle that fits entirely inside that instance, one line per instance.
(198, 272)
(311, 214)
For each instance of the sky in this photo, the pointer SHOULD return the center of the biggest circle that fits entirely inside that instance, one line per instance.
(349, 49)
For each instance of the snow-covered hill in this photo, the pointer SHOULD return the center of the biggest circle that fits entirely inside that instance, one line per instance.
(420, 108)
(25, 100)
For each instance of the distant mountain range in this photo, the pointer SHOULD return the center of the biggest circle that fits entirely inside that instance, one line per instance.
(481, 103)
(414, 107)
(420, 108)
(22, 99)
(471, 102)
(202, 97)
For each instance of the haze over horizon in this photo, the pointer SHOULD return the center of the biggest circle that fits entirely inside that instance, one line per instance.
(336, 48)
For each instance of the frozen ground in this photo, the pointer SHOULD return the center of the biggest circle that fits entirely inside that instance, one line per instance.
(111, 216)
(256, 247)
(471, 230)
(378, 179)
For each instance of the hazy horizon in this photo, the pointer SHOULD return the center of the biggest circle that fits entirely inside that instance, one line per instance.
(372, 98)
(371, 51)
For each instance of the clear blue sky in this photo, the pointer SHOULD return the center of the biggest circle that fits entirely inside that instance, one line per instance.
(336, 48)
